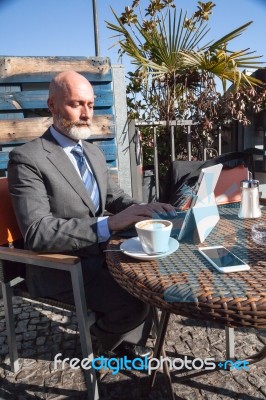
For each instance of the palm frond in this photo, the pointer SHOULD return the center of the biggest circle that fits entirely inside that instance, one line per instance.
(229, 36)
(170, 49)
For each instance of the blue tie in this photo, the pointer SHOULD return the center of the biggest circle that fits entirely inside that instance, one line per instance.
(86, 175)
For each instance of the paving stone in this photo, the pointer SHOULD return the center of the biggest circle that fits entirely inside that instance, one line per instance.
(54, 379)
(263, 390)
(43, 349)
(17, 300)
(23, 315)
(2, 340)
(170, 342)
(30, 335)
(4, 349)
(56, 328)
(38, 379)
(43, 332)
(26, 373)
(35, 320)
(40, 340)
(16, 311)
(31, 327)
(28, 353)
(57, 338)
(44, 318)
(28, 345)
(70, 344)
(262, 338)
(28, 308)
(21, 326)
(256, 380)
(241, 379)
(34, 314)
(43, 325)
(45, 356)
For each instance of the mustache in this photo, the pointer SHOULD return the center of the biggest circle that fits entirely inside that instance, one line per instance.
(82, 124)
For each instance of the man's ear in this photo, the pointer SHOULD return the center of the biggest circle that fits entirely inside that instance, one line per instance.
(50, 104)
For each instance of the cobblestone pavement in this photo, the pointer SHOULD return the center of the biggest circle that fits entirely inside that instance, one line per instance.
(43, 331)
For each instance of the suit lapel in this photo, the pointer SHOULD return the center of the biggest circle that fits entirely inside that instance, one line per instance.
(57, 156)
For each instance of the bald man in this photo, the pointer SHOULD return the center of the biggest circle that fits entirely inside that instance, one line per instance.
(56, 212)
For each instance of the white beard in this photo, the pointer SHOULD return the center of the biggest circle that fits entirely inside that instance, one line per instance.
(79, 132)
(74, 130)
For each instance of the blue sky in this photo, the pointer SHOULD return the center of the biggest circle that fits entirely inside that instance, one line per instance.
(65, 27)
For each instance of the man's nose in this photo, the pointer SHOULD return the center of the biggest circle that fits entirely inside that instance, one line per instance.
(86, 113)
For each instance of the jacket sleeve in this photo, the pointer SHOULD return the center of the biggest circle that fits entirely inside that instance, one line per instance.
(45, 229)
(117, 200)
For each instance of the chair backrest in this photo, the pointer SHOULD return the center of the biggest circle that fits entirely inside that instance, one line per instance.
(236, 168)
(9, 230)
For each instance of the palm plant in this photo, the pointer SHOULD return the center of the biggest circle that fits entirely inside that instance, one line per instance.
(174, 75)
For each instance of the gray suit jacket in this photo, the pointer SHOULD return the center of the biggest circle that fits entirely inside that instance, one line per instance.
(53, 208)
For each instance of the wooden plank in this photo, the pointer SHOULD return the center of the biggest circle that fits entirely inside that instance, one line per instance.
(4, 157)
(12, 115)
(111, 164)
(6, 105)
(38, 99)
(108, 147)
(10, 88)
(43, 69)
(110, 156)
(30, 128)
(109, 150)
(100, 85)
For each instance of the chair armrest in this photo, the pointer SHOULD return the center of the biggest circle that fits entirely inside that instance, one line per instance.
(57, 261)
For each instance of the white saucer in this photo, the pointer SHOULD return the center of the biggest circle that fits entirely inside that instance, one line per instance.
(133, 248)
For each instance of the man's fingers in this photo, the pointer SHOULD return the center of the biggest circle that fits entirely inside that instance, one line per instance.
(162, 209)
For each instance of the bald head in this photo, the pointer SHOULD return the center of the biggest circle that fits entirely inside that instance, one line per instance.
(71, 101)
(64, 82)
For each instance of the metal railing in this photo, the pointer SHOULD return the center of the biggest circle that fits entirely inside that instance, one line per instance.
(135, 150)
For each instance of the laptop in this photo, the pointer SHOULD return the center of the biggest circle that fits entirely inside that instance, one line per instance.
(202, 216)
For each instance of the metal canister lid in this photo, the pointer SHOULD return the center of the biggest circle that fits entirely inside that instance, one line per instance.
(249, 183)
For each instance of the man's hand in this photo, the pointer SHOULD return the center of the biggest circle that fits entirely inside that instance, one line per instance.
(140, 212)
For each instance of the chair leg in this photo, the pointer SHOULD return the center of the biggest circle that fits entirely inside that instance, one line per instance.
(155, 323)
(10, 326)
(84, 330)
(230, 343)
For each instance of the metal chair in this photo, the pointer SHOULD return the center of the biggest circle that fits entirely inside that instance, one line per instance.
(12, 273)
(236, 166)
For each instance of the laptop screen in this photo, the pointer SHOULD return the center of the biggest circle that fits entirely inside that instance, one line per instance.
(203, 215)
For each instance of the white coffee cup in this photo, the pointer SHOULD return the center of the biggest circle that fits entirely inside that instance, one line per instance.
(154, 235)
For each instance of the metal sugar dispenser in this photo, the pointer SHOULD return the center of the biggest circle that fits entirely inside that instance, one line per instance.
(250, 204)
